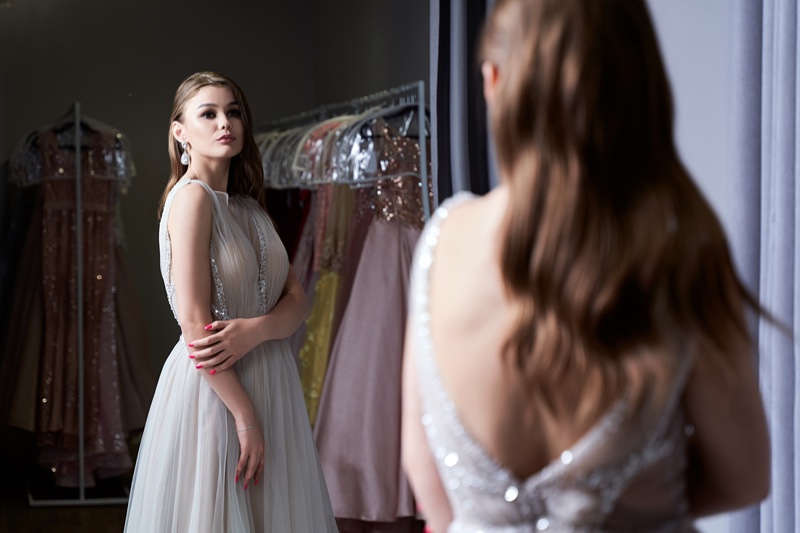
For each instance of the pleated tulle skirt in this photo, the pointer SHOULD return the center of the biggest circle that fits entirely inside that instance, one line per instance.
(185, 471)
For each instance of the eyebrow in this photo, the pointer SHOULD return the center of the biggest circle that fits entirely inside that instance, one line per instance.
(230, 104)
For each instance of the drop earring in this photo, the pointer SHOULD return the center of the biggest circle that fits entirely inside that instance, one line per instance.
(184, 155)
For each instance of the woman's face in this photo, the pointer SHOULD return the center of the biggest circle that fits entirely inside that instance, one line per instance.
(212, 124)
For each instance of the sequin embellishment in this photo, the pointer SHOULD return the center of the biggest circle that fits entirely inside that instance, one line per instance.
(168, 283)
(218, 309)
(262, 267)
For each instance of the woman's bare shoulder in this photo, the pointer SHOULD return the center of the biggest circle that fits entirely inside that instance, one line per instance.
(191, 204)
(466, 219)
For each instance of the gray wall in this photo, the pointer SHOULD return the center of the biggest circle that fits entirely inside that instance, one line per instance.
(695, 39)
(364, 46)
(124, 60)
(696, 42)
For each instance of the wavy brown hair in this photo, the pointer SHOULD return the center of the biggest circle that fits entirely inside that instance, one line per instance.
(609, 249)
(245, 175)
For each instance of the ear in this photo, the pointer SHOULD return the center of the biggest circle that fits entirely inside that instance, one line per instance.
(179, 132)
(490, 75)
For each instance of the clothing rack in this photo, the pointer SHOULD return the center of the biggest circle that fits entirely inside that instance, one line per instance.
(351, 245)
(408, 94)
(81, 500)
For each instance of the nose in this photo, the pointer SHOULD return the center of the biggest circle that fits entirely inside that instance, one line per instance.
(224, 123)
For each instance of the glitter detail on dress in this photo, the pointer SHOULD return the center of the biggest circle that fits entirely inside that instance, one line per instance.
(262, 267)
(218, 307)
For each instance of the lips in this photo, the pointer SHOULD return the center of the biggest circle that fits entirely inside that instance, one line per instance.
(226, 138)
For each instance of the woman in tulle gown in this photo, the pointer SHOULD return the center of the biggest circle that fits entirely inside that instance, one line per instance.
(578, 358)
(227, 446)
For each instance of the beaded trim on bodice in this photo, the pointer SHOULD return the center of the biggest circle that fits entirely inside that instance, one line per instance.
(262, 266)
(219, 309)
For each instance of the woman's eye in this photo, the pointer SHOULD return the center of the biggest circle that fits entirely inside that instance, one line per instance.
(234, 113)
(209, 114)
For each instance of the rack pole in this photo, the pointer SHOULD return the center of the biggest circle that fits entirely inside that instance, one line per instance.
(423, 150)
(79, 297)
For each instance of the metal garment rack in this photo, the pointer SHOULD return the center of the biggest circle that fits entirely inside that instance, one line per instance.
(81, 500)
(409, 93)
(423, 151)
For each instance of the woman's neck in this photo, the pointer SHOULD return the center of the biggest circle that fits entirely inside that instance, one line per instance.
(213, 172)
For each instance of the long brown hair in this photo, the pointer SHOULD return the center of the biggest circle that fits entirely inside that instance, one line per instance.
(245, 175)
(609, 249)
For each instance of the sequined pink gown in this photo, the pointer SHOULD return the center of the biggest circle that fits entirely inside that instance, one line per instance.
(43, 387)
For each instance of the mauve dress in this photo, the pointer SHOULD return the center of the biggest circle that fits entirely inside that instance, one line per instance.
(358, 421)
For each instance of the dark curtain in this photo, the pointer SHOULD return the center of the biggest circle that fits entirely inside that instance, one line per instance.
(461, 157)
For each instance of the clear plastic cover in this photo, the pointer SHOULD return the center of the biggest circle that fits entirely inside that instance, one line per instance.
(50, 153)
(385, 144)
(354, 142)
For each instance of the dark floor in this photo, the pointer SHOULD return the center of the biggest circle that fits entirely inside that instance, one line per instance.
(18, 476)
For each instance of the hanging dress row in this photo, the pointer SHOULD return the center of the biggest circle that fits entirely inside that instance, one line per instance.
(356, 180)
(40, 348)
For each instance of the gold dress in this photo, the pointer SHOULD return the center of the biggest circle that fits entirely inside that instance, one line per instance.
(320, 326)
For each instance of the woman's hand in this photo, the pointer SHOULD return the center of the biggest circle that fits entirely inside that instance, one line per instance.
(251, 453)
(230, 342)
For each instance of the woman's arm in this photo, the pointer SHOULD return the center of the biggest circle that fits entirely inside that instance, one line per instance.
(417, 459)
(189, 227)
(232, 339)
(290, 311)
(729, 455)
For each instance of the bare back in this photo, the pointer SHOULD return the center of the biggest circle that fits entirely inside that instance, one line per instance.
(471, 318)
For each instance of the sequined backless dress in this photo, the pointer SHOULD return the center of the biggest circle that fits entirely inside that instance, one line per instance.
(184, 478)
(627, 474)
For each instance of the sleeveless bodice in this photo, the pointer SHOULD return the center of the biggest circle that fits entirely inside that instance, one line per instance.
(248, 263)
(621, 476)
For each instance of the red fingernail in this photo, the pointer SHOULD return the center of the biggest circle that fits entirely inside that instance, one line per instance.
(212, 372)
(199, 366)
(190, 345)
(245, 487)
(237, 478)
(256, 482)
(208, 327)
(191, 356)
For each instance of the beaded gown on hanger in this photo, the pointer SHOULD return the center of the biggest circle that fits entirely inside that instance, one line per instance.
(626, 474)
(184, 478)
(41, 348)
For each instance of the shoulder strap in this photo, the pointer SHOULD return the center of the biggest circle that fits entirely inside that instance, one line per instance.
(424, 256)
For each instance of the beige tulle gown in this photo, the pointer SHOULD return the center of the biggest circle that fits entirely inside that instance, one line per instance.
(184, 478)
